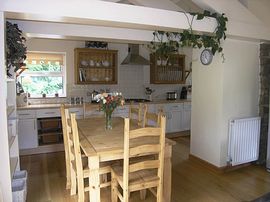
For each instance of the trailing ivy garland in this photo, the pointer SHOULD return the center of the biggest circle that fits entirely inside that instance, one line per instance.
(165, 43)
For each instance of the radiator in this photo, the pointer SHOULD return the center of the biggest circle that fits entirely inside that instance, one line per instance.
(244, 137)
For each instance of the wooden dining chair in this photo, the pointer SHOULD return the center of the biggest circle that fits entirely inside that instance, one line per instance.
(150, 118)
(65, 139)
(82, 173)
(135, 113)
(141, 174)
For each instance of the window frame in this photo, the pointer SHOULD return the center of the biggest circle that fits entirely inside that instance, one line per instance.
(63, 74)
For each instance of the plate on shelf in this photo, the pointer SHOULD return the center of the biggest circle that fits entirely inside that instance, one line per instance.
(92, 63)
(105, 63)
(84, 63)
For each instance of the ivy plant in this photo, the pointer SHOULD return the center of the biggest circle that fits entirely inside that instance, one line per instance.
(166, 43)
(15, 47)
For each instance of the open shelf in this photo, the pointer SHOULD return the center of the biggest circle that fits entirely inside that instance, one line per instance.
(13, 165)
(95, 66)
(11, 140)
(169, 70)
(10, 80)
(10, 109)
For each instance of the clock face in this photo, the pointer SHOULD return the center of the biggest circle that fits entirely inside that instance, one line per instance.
(206, 57)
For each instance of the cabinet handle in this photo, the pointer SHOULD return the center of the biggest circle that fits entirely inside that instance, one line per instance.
(24, 114)
(34, 124)
(49, 112)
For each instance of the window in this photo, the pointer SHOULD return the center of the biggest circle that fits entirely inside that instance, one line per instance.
(45, 74)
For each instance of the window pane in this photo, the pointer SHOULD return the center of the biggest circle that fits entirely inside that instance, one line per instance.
(37, 85)
(42, 67)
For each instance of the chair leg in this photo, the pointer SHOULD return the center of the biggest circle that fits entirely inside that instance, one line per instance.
(159, 194)
(73, 187)
(125, 195)
(68, 183)
(114, 184)
(80, 184)
(143, 194)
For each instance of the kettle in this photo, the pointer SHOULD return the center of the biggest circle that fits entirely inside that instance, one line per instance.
(93, 94)
(183, 94)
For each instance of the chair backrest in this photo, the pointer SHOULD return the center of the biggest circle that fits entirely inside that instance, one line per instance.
(149, 118)
(65, 138)
(76, 150)
(136, 144)
(135, 113)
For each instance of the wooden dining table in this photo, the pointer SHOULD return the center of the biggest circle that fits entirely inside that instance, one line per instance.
(100, 145)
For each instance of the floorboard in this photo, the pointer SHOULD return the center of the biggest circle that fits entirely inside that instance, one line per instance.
(190, 182)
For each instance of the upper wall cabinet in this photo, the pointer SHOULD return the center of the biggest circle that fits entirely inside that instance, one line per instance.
(167, 71)
(95, 66)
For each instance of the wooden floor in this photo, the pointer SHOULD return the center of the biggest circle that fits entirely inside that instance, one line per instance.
(191, 181)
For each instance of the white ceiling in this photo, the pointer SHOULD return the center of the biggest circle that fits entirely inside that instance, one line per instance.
(259, 8)
(174, 5)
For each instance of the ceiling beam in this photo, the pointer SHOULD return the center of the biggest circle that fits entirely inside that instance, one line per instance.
(83, 32)
(161, 4)
(103, 14)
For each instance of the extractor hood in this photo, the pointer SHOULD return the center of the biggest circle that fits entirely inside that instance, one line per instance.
(133, 57)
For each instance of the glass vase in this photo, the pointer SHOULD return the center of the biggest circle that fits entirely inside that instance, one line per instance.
(108, 120)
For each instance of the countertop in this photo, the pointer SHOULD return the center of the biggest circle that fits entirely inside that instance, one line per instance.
(57, 105)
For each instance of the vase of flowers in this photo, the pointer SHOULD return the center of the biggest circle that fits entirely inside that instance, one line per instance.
(108, 102)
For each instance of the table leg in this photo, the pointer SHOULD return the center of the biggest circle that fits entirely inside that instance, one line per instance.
(94, 181)
(167, 177)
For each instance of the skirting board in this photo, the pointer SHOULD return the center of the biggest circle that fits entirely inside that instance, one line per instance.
(42, 149)
(214, 168)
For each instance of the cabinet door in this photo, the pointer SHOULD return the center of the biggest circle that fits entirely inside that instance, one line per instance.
(168, 122)
(27, 133)
(186, 120)
(176, 121)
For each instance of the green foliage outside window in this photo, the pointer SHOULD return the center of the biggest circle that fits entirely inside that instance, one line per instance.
(42, 78)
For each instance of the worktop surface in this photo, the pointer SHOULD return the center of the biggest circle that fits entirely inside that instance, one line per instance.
(57, 105)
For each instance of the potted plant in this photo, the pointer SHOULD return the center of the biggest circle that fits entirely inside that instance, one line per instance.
(15, 48)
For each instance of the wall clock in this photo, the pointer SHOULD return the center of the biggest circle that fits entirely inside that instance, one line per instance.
(206, 57)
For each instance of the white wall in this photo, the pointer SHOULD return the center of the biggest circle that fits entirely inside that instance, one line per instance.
(131, 79)
(223, 91)
(206, 109)
(5, 182)
(240, 85)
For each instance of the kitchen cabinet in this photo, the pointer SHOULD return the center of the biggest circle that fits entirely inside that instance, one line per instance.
(38, 127)
(78, 111)
(49, 126)
(121, 111)
(186, 118)
(169, 70)
(28, 134)
(174, 113)
(95, 66)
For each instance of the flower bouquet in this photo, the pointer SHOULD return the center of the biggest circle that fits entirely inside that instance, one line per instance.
(108, 102)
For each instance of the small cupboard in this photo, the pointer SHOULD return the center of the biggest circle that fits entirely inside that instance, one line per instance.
(95, 66)
(169, 70)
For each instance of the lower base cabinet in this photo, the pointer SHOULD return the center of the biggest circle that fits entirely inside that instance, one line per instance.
(27, 133)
